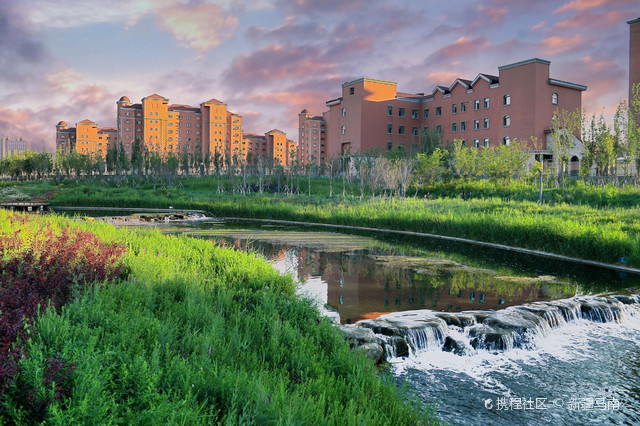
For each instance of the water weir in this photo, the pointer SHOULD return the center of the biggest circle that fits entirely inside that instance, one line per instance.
(405, 333)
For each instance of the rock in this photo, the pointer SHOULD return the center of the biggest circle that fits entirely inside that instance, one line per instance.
(452, 345)
(491, 339)
(379, 326)
(374, 351)
(626, 300)
(358, 336)
(400, 345)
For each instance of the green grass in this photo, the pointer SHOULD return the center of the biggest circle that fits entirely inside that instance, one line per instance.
(599, 233)
(199, 334)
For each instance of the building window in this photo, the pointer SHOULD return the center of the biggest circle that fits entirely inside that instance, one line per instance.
(476, 104)
(463, 107)
(438, 111)
(554, 99)
(401, 130)
(389, 110)
(485, 104)
(426, 113)
(506, 100)
(438, 129)
(463, 126)
(414, 113)
(389, 128)
(414, 131)
(343, 129)
(476, 143)
(425, 130)
(401, 112)
(454, 108)
(506, 140)
(506, 121)
(485, 123)
(486, 142)
(352, 90)
(389, 145)
(454, 127)
(344, 112)
(476, 124)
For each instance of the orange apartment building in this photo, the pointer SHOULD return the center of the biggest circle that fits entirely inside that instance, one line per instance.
(489, 110)
(169, 129)
(273, 145)
(85, 138)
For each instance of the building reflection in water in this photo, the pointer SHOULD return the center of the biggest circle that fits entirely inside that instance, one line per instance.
(359, 286)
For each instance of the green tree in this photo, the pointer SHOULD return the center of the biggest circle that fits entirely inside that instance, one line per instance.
(565, 127)
(430, 166)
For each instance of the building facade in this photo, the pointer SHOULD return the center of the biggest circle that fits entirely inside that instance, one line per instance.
(154, 125)
(487, 111)
(10, 147)
(634, 54)
(312, 139)
(273, 146)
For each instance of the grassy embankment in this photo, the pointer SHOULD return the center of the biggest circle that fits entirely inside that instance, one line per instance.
(586, 222)
(187, 333)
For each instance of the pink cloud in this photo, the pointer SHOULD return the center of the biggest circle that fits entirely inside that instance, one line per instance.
(492, 15)
(273, 63)
(593, 20)
(539, 25)
(197, 26)
(461, 47)
(555, 44)
(443, 78)
(580, 5)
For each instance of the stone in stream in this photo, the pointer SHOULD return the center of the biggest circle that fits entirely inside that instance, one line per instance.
(380, 326)
(374, 351)
(364, 339)
(453, 345)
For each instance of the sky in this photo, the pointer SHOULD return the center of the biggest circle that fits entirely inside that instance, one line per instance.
(269, 59)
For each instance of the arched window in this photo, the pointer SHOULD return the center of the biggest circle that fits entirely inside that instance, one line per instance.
(506, 99)
(506, 121)
(344, 112)
(343, 129)
(506, 140)
(554, 99)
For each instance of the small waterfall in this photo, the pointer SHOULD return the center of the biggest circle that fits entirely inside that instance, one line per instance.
(427, 337)
(405, 333)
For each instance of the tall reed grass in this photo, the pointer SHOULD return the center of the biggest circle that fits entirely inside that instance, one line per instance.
(196, 334)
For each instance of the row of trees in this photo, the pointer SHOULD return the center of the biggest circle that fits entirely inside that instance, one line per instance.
(610, 149)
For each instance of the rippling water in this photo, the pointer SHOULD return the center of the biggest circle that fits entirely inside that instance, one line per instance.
(582, 372)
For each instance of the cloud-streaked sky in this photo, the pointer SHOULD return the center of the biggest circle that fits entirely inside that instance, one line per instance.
(269, 59)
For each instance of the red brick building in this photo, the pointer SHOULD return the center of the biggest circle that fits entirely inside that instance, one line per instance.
(488, 110)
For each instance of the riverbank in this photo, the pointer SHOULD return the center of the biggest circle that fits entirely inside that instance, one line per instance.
(192, 333)
(610, 235)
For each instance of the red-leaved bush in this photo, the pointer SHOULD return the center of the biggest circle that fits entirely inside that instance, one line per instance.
(42, 273)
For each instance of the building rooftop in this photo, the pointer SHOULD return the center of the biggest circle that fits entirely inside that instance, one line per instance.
(156, 96)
